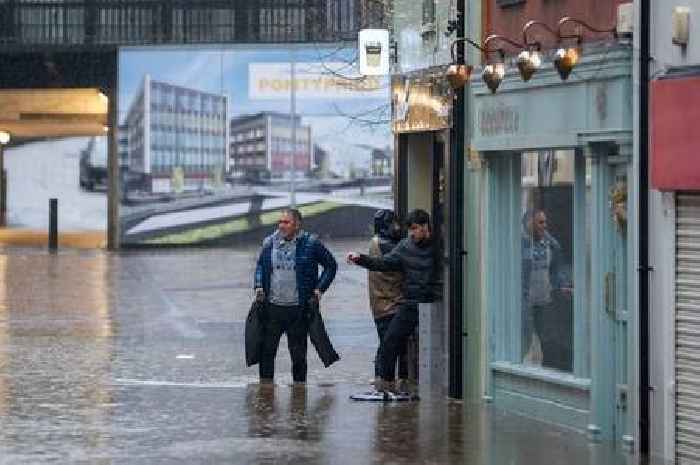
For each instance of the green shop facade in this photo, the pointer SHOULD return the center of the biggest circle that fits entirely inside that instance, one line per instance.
(550, 291)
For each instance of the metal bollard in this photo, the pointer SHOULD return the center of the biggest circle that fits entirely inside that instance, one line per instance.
(53, 224)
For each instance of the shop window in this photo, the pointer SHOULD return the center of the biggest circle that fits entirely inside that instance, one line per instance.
(539, 260)
(547, 192)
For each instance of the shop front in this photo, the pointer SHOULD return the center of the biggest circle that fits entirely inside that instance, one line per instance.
(427, 177)
(557, 247)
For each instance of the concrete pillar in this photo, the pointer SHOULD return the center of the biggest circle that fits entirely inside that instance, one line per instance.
(432, 348)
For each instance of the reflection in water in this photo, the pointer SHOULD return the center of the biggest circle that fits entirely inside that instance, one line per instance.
(55, 349)
(287, 412)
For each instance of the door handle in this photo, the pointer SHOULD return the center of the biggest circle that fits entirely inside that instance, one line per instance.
(609, 292)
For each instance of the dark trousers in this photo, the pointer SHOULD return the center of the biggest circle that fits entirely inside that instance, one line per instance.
(554, 325)
(400, 328)
(382, 325)
(293, 322)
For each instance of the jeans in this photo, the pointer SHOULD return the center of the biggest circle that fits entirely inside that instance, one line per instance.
(382, 325)
(291, 320)
(400, 328)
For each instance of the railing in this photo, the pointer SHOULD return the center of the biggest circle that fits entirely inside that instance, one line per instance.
(135, 22)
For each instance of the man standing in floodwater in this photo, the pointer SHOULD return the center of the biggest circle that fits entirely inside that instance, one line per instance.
(415, 257)
(287, 277)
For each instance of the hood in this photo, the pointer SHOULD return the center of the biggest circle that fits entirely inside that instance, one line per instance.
(385, 225)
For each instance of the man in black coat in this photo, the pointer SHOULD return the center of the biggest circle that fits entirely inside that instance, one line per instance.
(415, 257)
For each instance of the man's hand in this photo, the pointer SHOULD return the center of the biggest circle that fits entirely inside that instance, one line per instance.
(318, 294)
(259, 294)
(352, 258)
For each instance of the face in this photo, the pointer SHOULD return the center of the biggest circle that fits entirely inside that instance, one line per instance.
(288, 226)
(539, 224)
(419, 232)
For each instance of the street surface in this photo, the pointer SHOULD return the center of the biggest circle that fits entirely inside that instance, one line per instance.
(137, 358)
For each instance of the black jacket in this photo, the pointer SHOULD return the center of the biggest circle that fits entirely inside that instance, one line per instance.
(319, 336)
(418, 263)
(253, 333)
(255, 327)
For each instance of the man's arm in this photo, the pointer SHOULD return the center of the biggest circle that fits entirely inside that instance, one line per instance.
(329, 265)
(388, 262)
(258, 280)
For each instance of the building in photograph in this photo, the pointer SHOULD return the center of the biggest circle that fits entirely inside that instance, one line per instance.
(177, 138)
(322, 162)
(382, 162)
(123, 146)
(261, 146)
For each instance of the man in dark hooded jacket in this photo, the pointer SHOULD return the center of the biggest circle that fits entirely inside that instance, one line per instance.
(415, 257)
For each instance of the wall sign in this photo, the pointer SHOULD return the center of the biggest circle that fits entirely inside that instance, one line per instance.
(498, 120)
(421, 102)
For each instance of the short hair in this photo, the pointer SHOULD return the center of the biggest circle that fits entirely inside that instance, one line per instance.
(530, 215)
(294, 213)
(418, 216)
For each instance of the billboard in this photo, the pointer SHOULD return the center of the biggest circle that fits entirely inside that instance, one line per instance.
(214, 141)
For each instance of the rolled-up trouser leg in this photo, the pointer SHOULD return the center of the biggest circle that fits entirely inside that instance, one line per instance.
(400, 328)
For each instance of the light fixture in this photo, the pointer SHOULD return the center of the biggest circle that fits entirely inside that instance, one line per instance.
(494, 73)
(566, 58)
(4, 137)
(564, 61)
(530, 59)
(458, 74)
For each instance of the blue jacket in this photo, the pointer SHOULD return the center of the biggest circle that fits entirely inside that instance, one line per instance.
(310, 254)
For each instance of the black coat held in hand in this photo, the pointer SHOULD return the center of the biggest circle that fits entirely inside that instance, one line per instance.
(253, 333)
(255, 326)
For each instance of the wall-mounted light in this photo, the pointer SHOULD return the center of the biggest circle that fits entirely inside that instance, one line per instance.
(494, 72)
(493, 75)
(566, 58)
(4, 137)
(530, 59)
(458, 74)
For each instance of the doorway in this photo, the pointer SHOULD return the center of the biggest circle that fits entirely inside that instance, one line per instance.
(425, 176)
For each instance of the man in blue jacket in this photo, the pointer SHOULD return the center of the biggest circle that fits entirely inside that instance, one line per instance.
(287, 277)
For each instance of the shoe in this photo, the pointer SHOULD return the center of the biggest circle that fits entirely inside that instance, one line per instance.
(404, 386)
(383, 385)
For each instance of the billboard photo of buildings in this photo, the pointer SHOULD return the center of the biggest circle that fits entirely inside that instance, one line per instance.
(213, 141)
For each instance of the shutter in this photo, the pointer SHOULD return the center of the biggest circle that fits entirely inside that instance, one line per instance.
(688, 329)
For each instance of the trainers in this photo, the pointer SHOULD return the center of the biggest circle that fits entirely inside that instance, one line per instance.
(382, 385)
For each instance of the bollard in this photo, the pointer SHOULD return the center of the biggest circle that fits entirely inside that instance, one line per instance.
(53, 224)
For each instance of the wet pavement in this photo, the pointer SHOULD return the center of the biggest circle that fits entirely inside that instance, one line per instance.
(137, 358)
